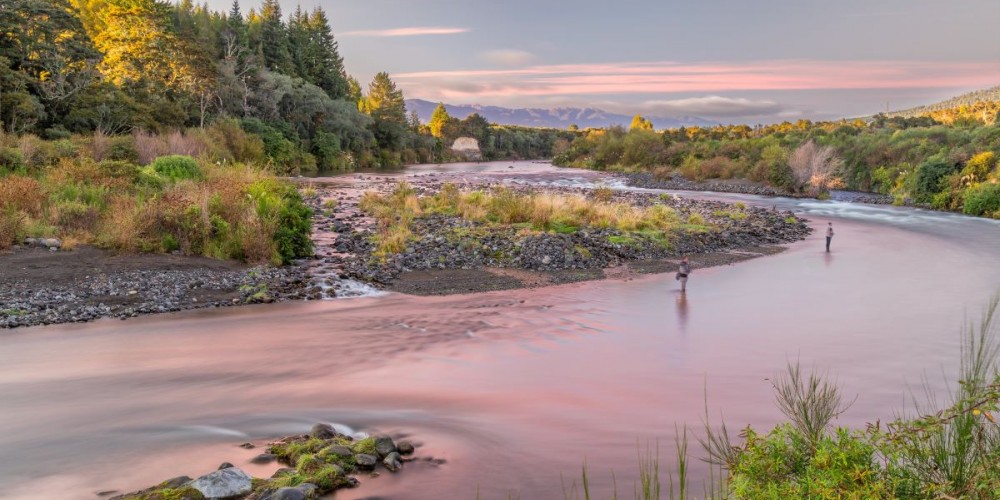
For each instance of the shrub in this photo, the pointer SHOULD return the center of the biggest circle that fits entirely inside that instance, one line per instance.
(929, 177)
(784, 464)
(236, 144)
(293, 236)
(982, 199)
(11, 160)
(34, 151)
(75, 216)
(22, 194)
(149, 147)
(602, 194)
(979, 166)
(122, 148)
(121, 169)
(11, 225)
(177, 167)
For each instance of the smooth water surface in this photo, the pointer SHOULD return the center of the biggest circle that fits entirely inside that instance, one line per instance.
(511, 388)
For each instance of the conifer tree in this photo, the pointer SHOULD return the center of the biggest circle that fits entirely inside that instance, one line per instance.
(273, 42)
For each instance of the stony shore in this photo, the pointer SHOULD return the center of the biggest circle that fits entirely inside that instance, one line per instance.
(313, 465)
(450, 255)
(42, 287)
(468, 250)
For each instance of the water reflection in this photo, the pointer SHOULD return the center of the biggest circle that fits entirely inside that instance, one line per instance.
(682, 311)
(827, 258)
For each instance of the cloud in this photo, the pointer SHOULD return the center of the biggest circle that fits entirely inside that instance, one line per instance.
(412, 31)
(718, 77)
(675, 88)
(509, 57)
(713, 106)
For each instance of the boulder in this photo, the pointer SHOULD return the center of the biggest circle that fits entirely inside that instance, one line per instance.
(404, 448)
(225, 465)
(51, 242)
(284, 471)
(176, 482)
(286, 493)
(467, 147)
(393, 462)
(263, 458)
(221, 484)
(323, 431)
(365, 462)
(384, 445)
(337, 451)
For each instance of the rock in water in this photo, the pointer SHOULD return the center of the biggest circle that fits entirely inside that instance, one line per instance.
(323, 431)
(263, 458)
(177, 482)
(366, 462)
(392, 462)
(404, 448)
(287, 493)
(384, 445)
(225, 483)
(338, 451)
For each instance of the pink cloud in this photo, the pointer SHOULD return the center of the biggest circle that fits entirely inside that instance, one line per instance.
(672, 77)
(414, 31)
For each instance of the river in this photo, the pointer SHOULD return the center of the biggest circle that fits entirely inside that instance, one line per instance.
(513, 389)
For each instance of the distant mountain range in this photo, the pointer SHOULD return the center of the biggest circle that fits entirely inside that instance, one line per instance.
(549, 118)
(968, 99)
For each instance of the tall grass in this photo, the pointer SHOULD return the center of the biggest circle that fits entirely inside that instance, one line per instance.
(503, 206)
(810, 403)
(175, 204)
(956, 452)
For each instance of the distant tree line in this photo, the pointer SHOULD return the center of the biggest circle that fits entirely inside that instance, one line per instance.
(915, 159)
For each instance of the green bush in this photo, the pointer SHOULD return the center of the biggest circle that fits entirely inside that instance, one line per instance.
(930, 176)
(783, 464)
(983, 199)
(294, 227)
(177, 167)
(121, 169)
(11, 160)
(278, 149)
(122, 148)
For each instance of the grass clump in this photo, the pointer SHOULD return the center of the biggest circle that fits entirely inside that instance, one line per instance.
(225, 211)
(177, 168)
(562, 214)
(163, 493)
(366, 446)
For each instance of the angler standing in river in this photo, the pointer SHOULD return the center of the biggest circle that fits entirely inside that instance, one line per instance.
(682, 273)
(829, 235)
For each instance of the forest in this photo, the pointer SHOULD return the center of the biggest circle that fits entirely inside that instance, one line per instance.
(917, 160)
(255, 87)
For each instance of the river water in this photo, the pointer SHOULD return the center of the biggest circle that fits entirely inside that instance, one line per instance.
(513, 389)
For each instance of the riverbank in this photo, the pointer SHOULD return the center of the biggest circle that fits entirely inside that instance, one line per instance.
(445, 252)
(43, 287)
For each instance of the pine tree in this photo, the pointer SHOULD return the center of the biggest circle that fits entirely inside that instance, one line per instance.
(299, 46)
(385, 104)
(273, 42)
(324, 65)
